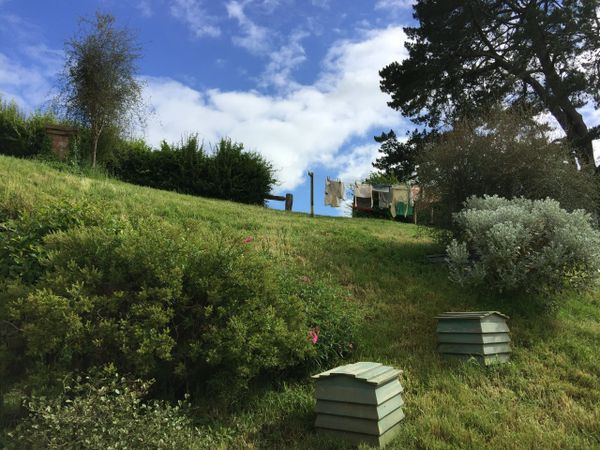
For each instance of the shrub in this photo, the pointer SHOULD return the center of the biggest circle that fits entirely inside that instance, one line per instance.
(524, 245)
(157, 303)
(22, 135)
(104, 412)
(504, 153)
(333, 318)
(21, 238)
(229, 173)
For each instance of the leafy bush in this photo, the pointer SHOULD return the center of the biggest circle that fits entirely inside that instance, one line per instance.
(21, 135)
(504, 153)
(228, 173)
(520, 244)
(333, 318)
(21, 239)
(104, 412)
(189, 311)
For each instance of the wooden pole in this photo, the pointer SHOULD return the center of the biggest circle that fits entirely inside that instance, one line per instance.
(289, 201)
(312, 193)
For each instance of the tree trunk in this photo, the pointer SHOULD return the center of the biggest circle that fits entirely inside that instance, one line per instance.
(96, 136)
(578, 135)
(555, 95)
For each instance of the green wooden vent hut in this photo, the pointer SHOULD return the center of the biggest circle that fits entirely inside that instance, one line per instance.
(359, 402)
(483, 335)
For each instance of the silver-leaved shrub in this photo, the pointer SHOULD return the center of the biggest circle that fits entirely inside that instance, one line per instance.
(523, 245)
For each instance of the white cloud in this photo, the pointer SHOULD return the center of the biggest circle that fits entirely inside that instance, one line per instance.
(394, 4)
(358, 163)
(145, 8)
(254, 37)
(283, 61)
(193, 14)
(307, 125)
(321, 3)
(29, 84)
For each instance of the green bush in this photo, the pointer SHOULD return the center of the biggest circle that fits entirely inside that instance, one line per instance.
(504, 153)
(524, 245)
(22, 135)
(188, 311)
(104, 412)
(229, 172)
(333, 318)
(22, 233)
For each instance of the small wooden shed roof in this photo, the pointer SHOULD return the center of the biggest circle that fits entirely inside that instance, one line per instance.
(368, 372)
(475, 315)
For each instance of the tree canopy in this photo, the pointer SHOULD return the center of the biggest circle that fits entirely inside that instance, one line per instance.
(466, 55)
(99, 85)
(505, 153)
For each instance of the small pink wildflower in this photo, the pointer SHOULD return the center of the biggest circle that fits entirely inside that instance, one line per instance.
(248, 240)
(313, 335)
(306, 279)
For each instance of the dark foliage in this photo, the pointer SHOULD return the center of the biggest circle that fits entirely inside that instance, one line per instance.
(400, 158)
(21, 135)
(467, 55)
(229, 172)
(507, 154)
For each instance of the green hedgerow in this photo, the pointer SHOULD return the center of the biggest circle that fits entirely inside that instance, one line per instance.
(524, 245)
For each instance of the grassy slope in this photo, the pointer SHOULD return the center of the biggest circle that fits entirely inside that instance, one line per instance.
(547, 397)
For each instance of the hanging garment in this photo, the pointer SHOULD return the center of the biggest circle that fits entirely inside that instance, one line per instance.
(338, 189)
(330, 197)
(385, 199)
(381, 188)
(415, 191)
(363, 204)
(400, 193)
(404, 209)
(334, 193)
(362, 193)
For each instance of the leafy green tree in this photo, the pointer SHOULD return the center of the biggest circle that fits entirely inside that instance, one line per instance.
(399, 158)
(467, 55)
(505, 153)
(99, 88)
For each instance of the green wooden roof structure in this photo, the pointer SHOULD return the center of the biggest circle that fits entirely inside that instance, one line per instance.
(359, 402)
(483, 335)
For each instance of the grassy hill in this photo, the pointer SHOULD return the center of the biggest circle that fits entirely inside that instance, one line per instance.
(547, 397)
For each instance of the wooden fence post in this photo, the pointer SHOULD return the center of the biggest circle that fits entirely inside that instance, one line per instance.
(289, 201)
(312, 194)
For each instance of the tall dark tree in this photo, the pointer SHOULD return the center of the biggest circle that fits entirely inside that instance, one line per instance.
(465, 55)
(399, 158)
(99, 88)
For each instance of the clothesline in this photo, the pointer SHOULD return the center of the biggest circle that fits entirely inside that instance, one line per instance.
(398, 198)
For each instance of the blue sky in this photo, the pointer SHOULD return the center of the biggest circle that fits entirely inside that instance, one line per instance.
(296, 80)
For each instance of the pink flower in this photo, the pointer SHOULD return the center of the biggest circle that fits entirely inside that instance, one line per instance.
(313, 335)
(248, 240)
(306, 279)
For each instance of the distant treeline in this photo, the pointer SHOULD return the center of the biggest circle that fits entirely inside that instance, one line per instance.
(224, 171)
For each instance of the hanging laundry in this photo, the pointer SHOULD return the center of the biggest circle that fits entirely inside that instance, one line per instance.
(415, 191)
(385, 199)
(400, 193)
(363, 196)
(380, 187)
(334, 192)
(404, 209)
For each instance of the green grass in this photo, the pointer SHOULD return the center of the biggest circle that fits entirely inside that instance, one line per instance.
(547, 397)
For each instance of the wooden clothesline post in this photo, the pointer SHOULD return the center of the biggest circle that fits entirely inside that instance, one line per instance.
(312, 193)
